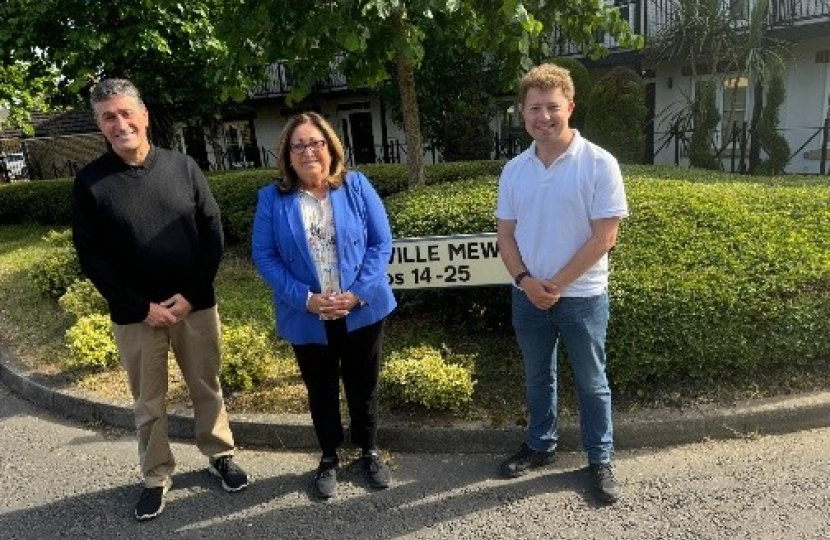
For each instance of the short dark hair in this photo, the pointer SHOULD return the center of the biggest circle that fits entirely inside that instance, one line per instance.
(289, 181)
(110, 88)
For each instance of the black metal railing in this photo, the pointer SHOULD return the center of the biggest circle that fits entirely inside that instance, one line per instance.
(732, 150)
(651, 17)
(279, 81)
(659, 14)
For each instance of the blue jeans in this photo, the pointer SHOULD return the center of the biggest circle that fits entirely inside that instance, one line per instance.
(581, 323)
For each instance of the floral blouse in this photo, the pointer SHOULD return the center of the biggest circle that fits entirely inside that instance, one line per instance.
(318, 220)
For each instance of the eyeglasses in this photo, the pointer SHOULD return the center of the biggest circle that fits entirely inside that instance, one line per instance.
(299, 148)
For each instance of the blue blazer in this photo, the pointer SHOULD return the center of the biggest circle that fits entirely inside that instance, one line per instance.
(282, 257)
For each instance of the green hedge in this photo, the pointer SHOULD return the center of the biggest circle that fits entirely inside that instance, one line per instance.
(48, 202)
(713, 276)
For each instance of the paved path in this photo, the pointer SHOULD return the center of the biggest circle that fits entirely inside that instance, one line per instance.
(65, 480)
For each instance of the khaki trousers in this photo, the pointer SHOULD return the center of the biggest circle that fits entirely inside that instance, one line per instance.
(143, 350)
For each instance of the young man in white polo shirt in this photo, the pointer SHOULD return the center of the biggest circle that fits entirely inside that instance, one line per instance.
(560, 204)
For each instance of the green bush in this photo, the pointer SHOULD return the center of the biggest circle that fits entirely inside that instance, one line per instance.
(706, 118)
(236, 195)
(391, 178)
(713, 274)
(617, 115)
(59, 268)
(714, 280)
(47, 202)
(419, 375)
(466, 134)
(775, 144)
(82, 299)
(246, 355)
(91, 344)
(463, 207)
(583, 86)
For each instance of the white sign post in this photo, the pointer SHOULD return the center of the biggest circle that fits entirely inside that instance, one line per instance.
(432, 262)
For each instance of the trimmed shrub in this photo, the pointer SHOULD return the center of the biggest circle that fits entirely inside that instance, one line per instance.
(419, 375)
(617, 114)
(47, 202)
(464, 207)
(713, 273)
(59, 268)
(775, 144)
(391, 178)
(82, 299)
(235, 191)
(91, 344)
(718, 279)
(236, 195)
(246, 355)
(583, 86)
(466, 134)
(705, 118)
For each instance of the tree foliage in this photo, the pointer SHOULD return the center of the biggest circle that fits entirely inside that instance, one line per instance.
(380, 39)
(716, 40)
(21, 93)
(170, 49)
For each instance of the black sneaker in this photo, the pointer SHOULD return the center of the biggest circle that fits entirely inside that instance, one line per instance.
(375, 470)
(232, 476)
(151, 502)
(525, 459)
(603, 482)
(325, 479)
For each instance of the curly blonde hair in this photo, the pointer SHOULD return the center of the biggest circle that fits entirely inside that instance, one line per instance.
(289, 181)
(547, 77)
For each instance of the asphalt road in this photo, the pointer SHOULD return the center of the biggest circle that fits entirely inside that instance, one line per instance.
(64, 480)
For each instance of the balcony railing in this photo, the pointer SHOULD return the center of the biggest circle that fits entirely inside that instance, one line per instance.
(782, 13)
(650, 17)
(629, 11)
(278, 80)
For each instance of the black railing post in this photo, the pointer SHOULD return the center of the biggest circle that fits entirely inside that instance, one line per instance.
(676, 136)
(824, 140)
(733, 143)
(742, 169)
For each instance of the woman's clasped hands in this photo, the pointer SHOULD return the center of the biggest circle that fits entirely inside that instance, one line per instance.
(330, 306)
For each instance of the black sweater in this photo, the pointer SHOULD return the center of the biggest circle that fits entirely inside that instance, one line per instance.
(146, 233)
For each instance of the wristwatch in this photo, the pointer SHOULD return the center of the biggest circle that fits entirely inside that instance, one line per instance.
(520, 276)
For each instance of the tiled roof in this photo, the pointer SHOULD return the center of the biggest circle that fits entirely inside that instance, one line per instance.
(53, 125)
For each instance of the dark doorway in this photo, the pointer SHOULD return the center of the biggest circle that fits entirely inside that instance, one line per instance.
(363, 141)
(194, 141)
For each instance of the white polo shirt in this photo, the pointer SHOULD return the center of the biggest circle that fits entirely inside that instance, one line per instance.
(553, 208)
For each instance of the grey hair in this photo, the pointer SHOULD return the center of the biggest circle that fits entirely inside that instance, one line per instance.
(110, 88)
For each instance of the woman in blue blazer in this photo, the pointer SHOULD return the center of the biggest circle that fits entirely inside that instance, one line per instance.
(322, 242)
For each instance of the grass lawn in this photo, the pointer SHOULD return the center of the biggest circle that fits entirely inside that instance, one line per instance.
(33, 328)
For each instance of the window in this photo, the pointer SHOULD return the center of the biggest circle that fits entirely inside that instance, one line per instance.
(237, 143)
(733, 110)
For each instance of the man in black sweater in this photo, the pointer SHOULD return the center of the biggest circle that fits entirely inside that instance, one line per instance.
(148, 235)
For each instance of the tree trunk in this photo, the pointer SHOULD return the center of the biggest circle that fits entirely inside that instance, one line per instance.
(411, 119)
